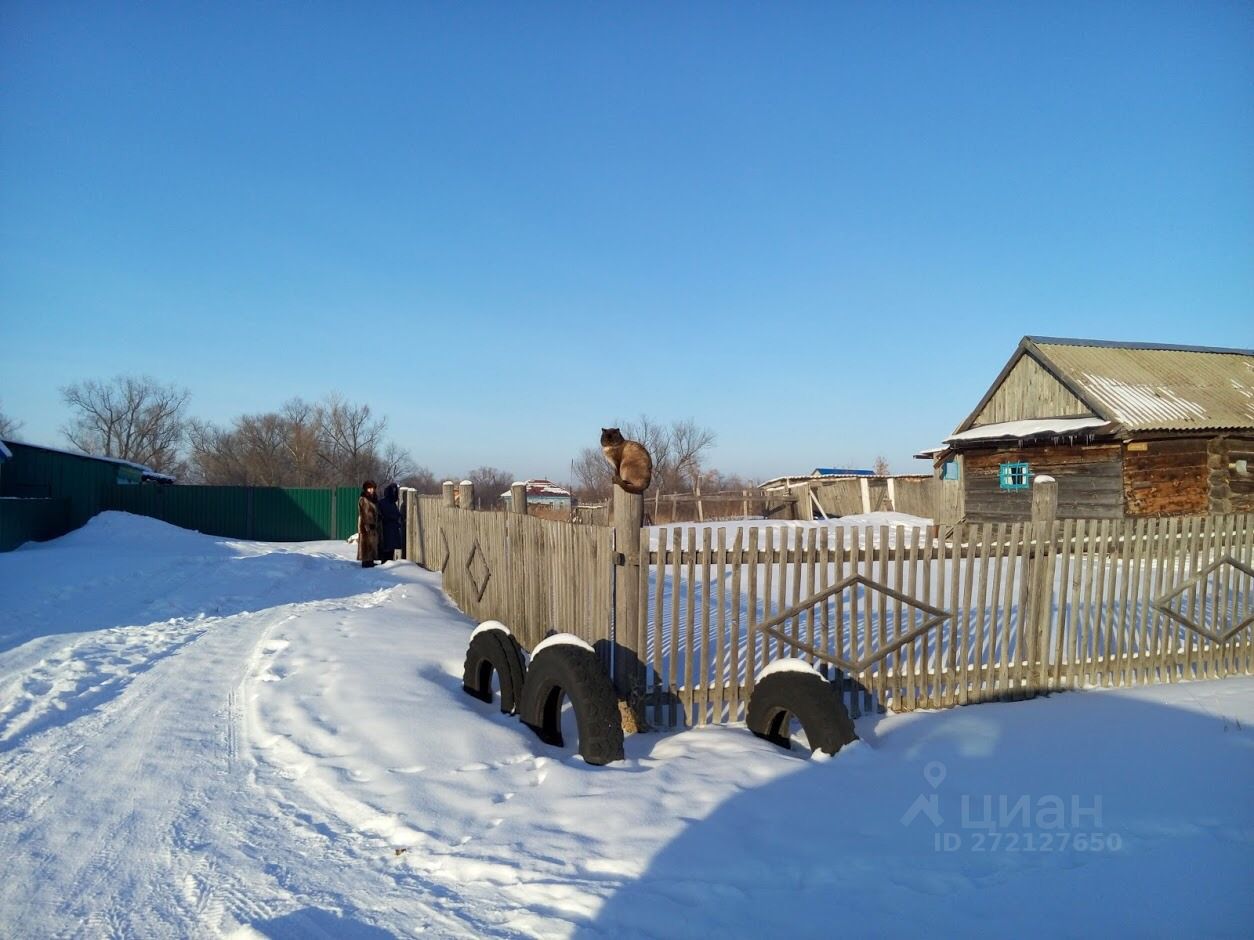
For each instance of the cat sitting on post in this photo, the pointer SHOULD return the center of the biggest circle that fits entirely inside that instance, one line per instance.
(633, 467)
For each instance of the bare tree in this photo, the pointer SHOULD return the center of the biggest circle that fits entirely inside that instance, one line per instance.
(131, 418)
(591, 476)
(689, 445)
(328, 443)
(350, 438)
(714, 481)
(8, 426)
(881, 466)
(422, 480)
(307, 464)
(395, 464)
(490, 483)
(208, 454)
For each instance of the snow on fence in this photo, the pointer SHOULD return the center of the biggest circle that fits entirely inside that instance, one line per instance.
(897, 617)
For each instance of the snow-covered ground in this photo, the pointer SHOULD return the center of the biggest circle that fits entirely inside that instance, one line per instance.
(201, 737)
(864, 528)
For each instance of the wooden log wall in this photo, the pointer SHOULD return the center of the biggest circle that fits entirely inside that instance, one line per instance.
(1166, 477)
(1231, 486)
(1090, 482)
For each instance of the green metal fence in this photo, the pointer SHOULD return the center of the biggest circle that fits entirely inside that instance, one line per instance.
(266, 513)
(23, 520)
(49, 492)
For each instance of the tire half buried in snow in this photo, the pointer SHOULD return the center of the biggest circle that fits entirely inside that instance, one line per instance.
(809, 698)
(573, 672)
(495, 651)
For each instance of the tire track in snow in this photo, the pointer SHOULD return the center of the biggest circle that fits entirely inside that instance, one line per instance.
(82, 676)
(144, 770)
(145, 816)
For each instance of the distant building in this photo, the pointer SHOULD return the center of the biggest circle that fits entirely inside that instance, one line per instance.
(46, 492)
(785, 483)
(33, 470)
(544, 493)
(840, 472)
(1126, 430)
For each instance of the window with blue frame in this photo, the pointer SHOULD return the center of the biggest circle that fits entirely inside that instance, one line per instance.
(949, 470)
(1014, 476)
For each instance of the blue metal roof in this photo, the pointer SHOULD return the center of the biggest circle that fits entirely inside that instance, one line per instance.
(841, 472)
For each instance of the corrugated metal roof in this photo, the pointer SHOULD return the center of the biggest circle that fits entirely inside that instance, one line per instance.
(1148, 388)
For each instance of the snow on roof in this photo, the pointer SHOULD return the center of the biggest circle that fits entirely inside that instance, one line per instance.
(1031, 427)
(145, 470)
(5, 453)
(541, 488)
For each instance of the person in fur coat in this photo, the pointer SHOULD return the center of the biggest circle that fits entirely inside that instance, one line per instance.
(367, 526)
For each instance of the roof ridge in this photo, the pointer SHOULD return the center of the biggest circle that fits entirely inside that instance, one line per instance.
(1116, 344)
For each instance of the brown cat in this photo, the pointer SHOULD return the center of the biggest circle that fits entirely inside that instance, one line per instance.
(633, 467)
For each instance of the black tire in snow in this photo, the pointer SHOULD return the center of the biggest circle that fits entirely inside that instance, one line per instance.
(495, 651)
(809, 698)
(576, 673)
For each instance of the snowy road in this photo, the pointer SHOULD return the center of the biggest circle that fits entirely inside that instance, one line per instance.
(201, 738)
(126, 797)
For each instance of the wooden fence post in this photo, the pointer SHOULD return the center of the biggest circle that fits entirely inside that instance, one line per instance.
(1045, 500)
(628, 655)
(448, 489)
(805, 504)
(518, 498)
(409, 512)
(1040, 581)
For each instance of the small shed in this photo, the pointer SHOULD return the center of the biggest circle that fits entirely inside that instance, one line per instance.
(1127, 429)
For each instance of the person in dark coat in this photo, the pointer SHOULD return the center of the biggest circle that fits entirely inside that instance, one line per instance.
(367, 526)
(391, 523)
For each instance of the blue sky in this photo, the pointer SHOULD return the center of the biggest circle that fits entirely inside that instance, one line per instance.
(819, 229)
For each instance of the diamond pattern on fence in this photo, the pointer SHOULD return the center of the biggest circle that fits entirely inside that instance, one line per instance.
(480, 574)
(1226, 587)
(444, 559)
(934, 617)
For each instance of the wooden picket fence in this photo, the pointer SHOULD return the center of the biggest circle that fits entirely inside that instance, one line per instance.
(902, 620)
(896, 617)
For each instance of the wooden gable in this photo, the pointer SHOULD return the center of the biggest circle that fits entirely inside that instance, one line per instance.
(1026, 390)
